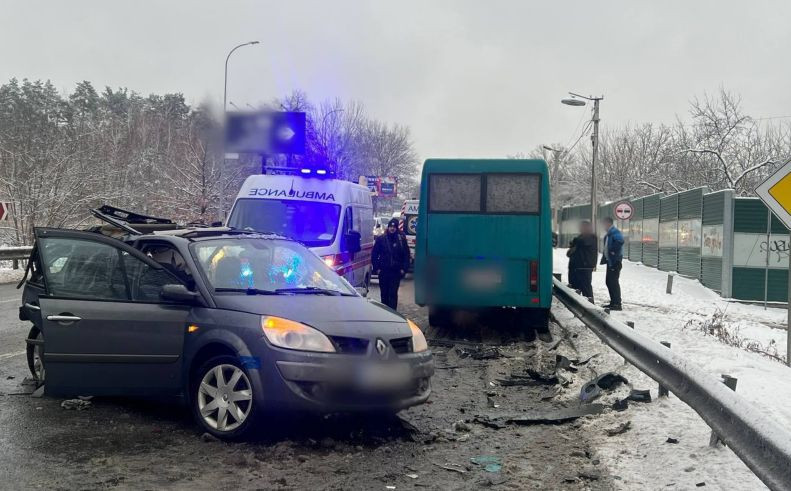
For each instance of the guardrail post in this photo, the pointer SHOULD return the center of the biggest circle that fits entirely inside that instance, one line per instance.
(15, 264)
(669, 288)
(663, 392)
(731, 383)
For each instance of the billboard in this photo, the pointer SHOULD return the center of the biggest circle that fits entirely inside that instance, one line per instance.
(386, 187)
(265, 132)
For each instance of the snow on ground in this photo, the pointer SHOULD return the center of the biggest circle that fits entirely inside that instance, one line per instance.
(10, 275)
(641, 456)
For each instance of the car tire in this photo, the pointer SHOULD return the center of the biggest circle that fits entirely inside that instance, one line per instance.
(35, 356)
(221, 409)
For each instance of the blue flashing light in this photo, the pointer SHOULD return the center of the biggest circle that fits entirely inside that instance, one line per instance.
(305, 171)
(321, 172)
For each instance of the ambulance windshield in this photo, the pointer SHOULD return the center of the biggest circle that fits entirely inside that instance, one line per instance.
(312, 223)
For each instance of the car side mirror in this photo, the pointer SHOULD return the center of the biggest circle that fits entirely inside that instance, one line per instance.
(352, 239)
(178, 293)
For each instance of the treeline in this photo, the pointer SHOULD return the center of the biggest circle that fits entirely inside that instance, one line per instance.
(717, 145)
(61, 154)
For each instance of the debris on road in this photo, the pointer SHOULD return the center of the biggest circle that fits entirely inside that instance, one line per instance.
(208, 437)
(452, 467)
(549, 393)
(671, 440)
(77, 404)
(412, 476)
(461, 426)
(640, 395)
(38, 393)
(606, 381)
(490, 463)
(619, 430)
(552, 416)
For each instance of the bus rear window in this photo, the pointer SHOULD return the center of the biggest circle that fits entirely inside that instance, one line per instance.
(513, 193)
(457, 193)
(508, 193)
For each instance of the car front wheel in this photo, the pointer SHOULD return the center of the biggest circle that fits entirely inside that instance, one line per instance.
(35, 355)
(222, 398)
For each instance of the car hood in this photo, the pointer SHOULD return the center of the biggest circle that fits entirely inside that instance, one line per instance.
(341, 316)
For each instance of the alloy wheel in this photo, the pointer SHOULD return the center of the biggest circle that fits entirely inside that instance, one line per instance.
(38, 360)
(225, 397)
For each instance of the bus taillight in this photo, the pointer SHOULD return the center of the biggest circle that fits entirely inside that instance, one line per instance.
(533, 276)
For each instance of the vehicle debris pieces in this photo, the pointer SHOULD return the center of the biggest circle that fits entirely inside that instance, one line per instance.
(76, 404)
(490, 463)
(619, 430)
(552, 416)
(606, 381)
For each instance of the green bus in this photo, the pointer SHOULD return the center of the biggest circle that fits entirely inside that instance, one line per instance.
(484, 239)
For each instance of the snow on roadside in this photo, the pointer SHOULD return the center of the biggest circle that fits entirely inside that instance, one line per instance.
(641, 457)
(10, 275)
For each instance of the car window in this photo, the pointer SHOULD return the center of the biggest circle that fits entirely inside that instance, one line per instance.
(145, 282)
(171, 259)
(82, 268)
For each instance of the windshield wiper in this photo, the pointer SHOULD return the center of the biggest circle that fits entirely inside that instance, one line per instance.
(247, 291)
(313, 290)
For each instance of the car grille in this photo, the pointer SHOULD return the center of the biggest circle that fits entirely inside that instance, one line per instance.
(401, 345)
(350, 346)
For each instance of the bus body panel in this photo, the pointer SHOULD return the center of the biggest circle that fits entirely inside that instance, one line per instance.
(483, 259)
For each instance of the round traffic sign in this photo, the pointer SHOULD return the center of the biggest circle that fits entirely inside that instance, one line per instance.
(623, 210)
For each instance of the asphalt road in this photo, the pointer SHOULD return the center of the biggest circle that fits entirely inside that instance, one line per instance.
(132, 444)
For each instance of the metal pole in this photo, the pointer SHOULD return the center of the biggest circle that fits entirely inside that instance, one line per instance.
(788, 321)
(595, 142)
(766, 266)
(224, 109)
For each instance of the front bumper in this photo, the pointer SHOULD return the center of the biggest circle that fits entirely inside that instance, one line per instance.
(325, 384)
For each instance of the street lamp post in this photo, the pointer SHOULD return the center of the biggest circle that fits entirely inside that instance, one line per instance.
(574, 101)
(224, 109)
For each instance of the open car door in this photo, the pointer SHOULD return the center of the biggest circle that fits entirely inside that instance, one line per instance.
(106, 330)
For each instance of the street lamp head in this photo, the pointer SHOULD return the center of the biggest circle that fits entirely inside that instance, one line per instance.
(547, 147)
(254, 42)
(573, 102)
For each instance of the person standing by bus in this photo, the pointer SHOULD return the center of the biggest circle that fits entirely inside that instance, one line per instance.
(613, 258)
(582, 260)
(390, 260)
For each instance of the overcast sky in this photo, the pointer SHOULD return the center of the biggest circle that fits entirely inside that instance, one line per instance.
(470, 78)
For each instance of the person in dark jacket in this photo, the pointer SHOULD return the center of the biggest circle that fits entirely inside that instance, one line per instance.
(582, 260)
(613, 258)
(390, 260)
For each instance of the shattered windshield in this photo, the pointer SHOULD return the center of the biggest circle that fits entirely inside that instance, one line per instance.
(266, 265)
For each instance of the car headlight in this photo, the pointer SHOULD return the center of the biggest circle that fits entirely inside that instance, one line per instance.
(418, 339)
(294, 335)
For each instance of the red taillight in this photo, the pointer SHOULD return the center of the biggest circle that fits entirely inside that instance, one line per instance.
(533, 276)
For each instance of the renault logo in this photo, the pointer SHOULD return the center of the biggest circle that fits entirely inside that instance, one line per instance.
(381, 347)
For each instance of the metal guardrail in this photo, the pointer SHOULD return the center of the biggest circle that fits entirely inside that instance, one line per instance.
(758, 441)
(13, 253)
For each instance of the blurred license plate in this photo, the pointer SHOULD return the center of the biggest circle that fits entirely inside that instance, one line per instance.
(384, 375)
(483, 278)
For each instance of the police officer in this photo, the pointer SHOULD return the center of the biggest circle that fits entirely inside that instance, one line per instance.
(390, 260)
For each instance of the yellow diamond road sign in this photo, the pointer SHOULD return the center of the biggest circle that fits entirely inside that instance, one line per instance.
(775, 192)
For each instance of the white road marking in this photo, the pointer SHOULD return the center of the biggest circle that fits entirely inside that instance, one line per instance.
(11, 355)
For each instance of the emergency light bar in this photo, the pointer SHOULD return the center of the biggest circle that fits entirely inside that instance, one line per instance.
(304, 171)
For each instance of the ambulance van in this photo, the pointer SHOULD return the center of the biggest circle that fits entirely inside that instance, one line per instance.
(333, 218)
(408, 225)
